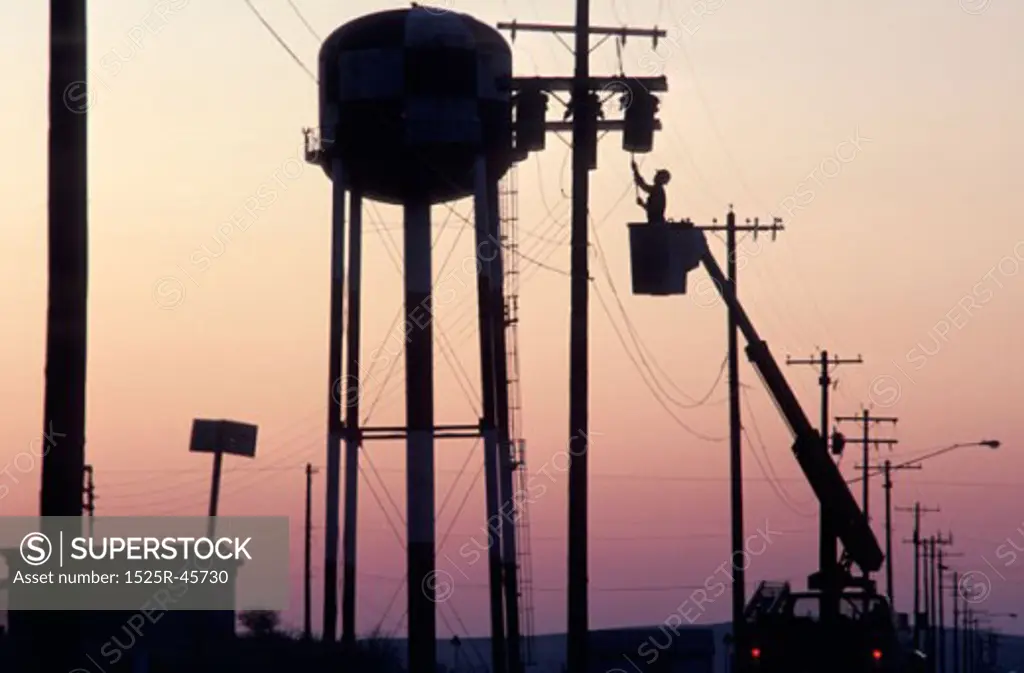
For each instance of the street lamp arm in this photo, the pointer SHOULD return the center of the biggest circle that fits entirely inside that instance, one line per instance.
(990, 443)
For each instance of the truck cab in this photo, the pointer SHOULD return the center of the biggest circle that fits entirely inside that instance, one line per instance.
(785, 633)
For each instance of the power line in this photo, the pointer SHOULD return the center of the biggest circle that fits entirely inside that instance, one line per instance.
(298, 13)
(280, 41)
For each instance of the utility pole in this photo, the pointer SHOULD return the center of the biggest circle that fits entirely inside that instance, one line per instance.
(943, 568)
(918, 510)
(956, 622)
(585, 108)
(739, 592)
(307, 575)
(866, 419)
(89, 490)
(55, 640)
(886, 468)
(828, 543)
(937, 639)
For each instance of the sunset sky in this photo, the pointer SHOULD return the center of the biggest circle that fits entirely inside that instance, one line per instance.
(886, 135)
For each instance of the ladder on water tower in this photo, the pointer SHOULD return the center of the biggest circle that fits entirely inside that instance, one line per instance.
(509, 231)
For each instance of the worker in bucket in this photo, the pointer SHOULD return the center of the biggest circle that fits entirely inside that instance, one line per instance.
(655, 203)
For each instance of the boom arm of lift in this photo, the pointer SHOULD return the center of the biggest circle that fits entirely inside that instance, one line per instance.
(851, 525)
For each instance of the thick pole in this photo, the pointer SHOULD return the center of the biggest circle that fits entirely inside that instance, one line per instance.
(735, 444)
(887, 467)
(307, 571)
(419, 457)
(56, 636)
(211, 522)
(63, 442)
(485, 301)
(956, 623)
(334, 428)
(579, 385)
(353, 440)
(506, 458)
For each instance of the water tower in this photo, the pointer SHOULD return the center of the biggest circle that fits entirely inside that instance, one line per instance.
(415, 109)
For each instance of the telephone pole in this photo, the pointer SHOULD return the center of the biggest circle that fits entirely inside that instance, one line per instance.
(942, 612)
(739, 591)
(585, 109)
(886, 468)
(867, 441)
(307, 575)
(828, 543)
(89, 490)
(935, 544)
(956, 622)
(917, 510)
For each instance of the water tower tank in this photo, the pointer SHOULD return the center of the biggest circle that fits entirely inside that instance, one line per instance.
(410, 98)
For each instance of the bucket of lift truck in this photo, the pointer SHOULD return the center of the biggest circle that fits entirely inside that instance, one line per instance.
(661, 256)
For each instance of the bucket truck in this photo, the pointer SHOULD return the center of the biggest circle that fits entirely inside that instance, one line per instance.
(840, 624)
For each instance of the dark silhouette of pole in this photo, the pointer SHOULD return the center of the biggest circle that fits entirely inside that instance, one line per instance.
(307, 574)
(735, 439)
(353, 438)
(940, 568)
(579, 384)
(488, 388)
(56, 636)
(919, 571)
(334, 426)
(888, 534)
(584, 107)
(942, 611)
(735, 423)
(956, 622)
(218, 464)
(866, 419)
(886, 469)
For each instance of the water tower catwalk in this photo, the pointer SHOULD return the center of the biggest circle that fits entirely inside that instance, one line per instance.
(415, 109)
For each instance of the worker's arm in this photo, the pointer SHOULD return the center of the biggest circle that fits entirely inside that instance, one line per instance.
(639, 180)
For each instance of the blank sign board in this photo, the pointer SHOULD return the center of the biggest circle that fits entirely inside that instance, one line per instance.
(209, 436)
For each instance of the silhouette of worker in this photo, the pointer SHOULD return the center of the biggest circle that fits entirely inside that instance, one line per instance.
(655, 203)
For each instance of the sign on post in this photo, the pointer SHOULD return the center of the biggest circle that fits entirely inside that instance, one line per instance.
(221, 436)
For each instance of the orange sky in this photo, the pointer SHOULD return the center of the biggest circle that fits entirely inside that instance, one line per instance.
(887, 241)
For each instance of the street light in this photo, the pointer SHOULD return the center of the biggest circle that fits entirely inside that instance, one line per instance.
(987, 443)
(886, 469)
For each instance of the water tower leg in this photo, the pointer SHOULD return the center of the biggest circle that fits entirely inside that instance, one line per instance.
(508, 504)
(352, 440)
(334, 382)
(485, 298)
(419, 406)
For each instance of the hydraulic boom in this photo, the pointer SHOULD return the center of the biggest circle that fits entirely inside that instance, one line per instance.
(831, 490)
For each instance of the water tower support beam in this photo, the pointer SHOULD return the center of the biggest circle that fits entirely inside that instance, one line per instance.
(334, 428)
(419, 406)
(353, 438)
(488, 357)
